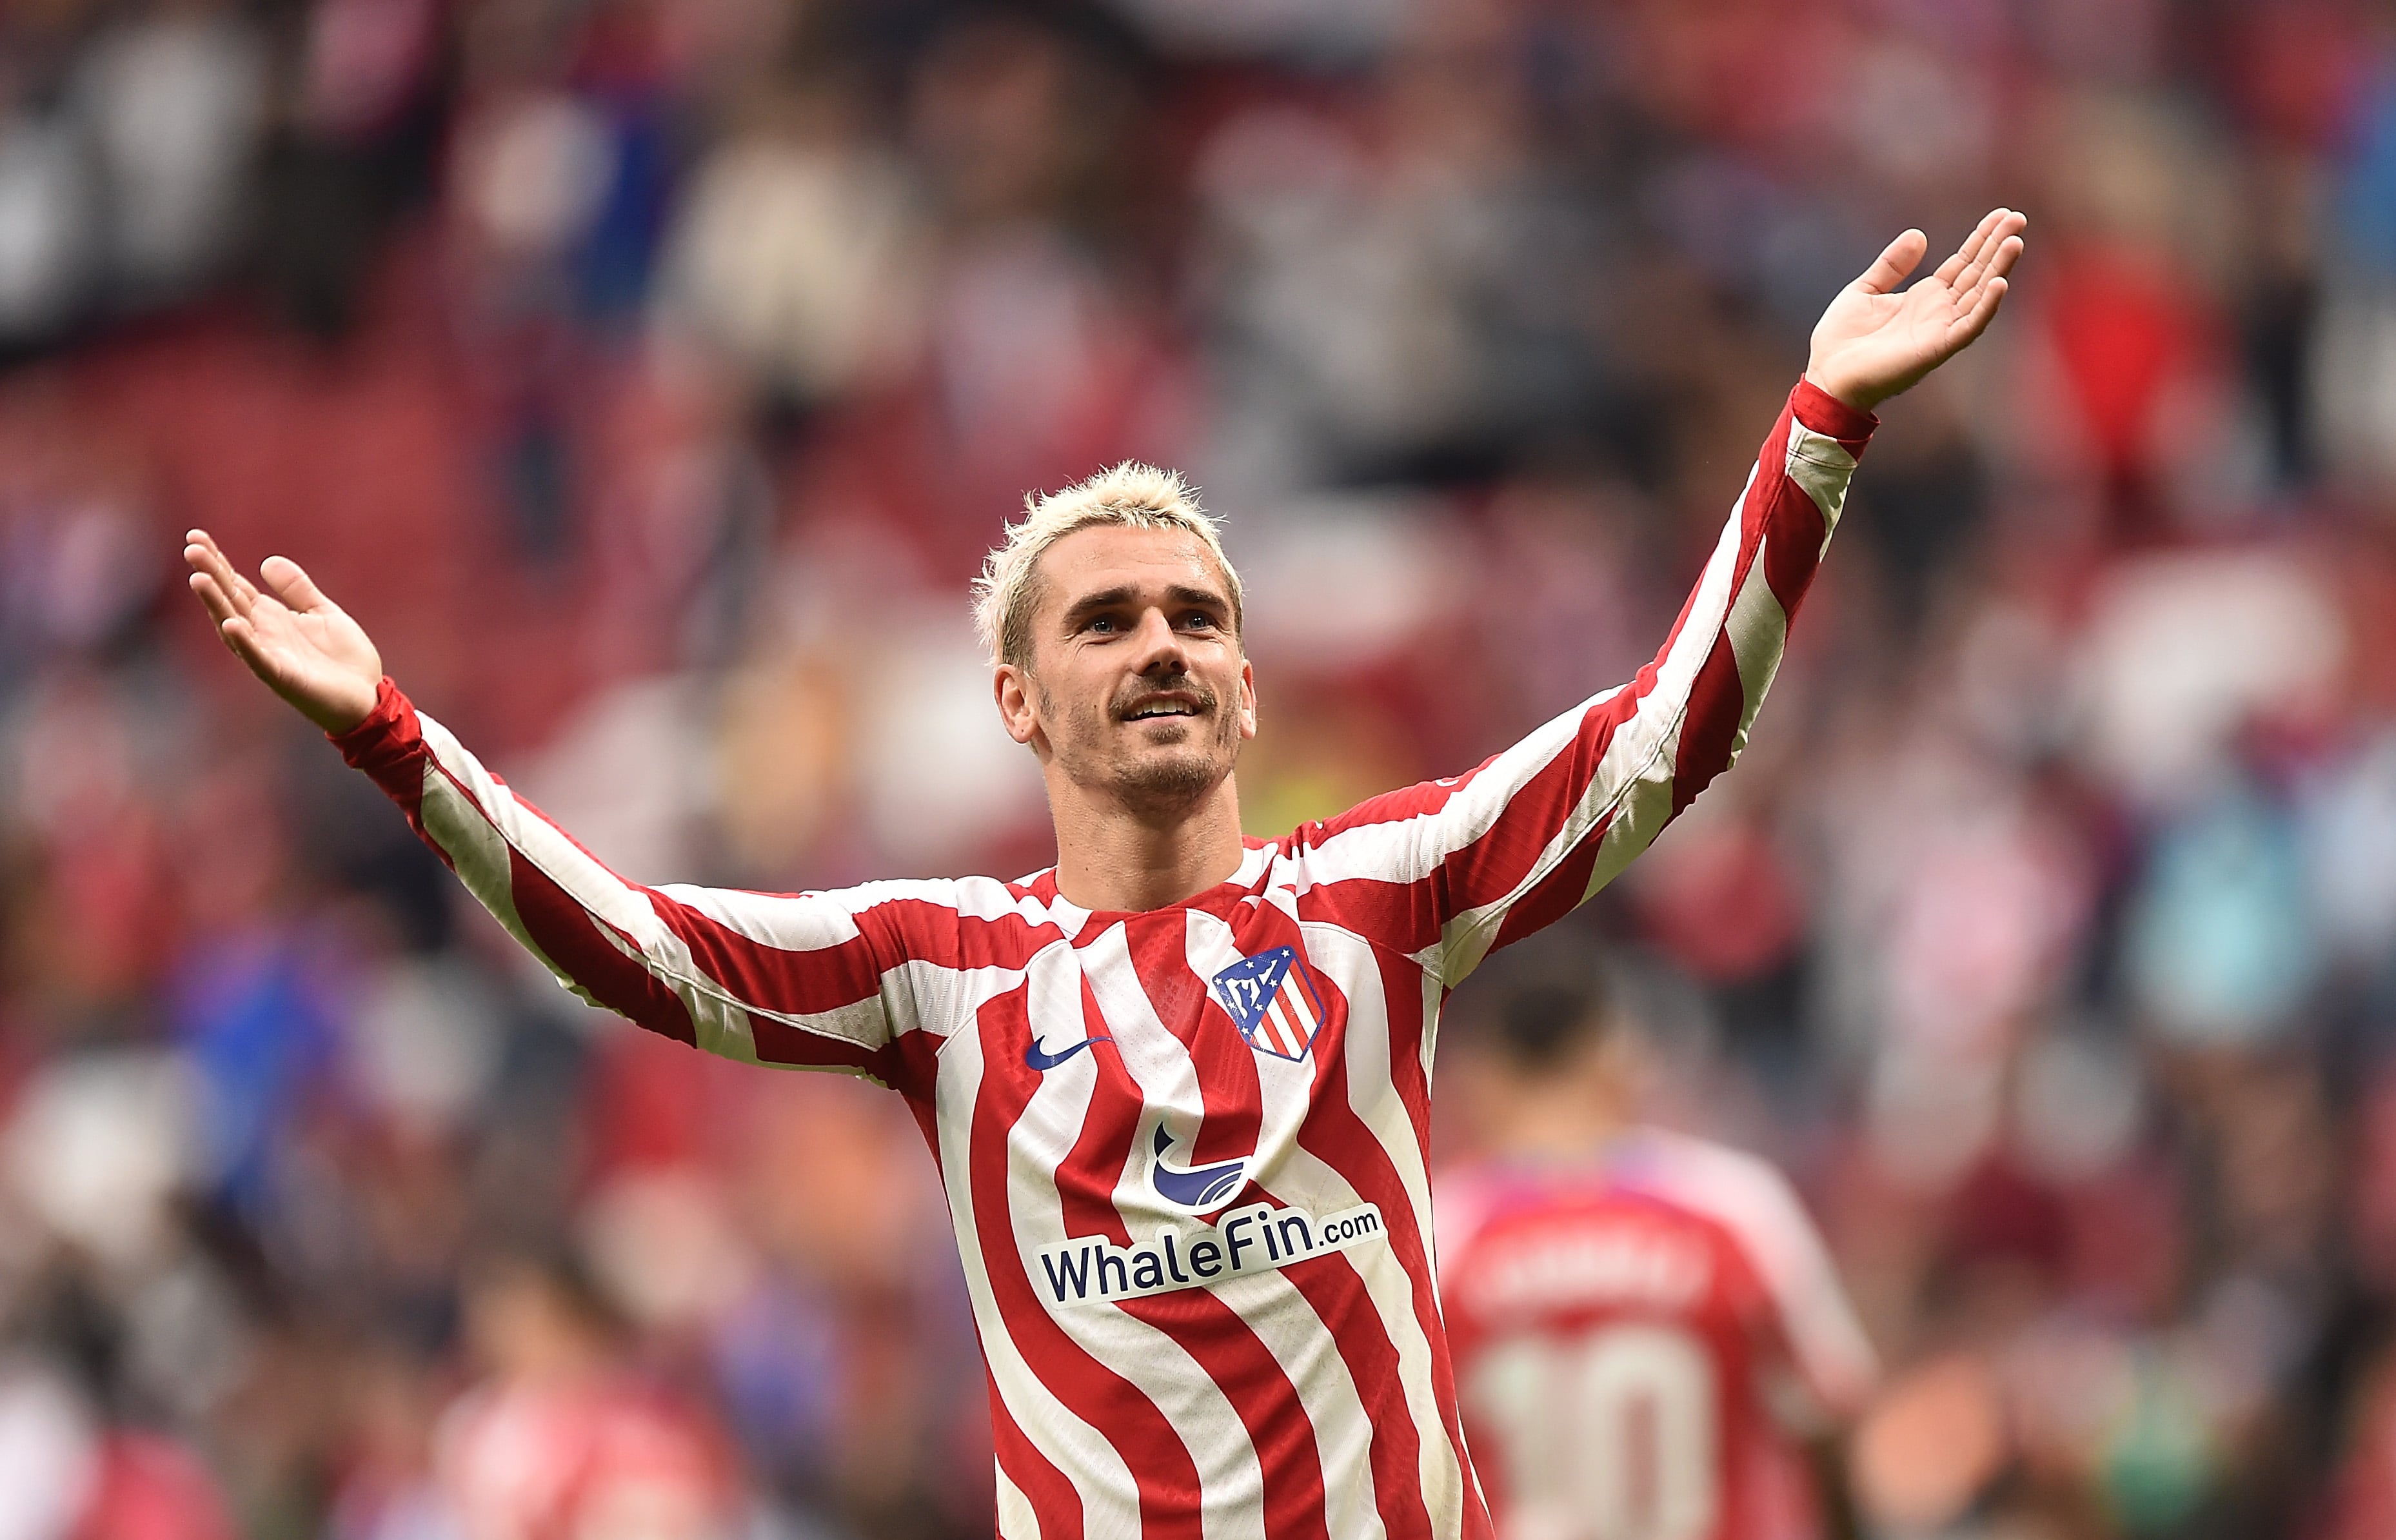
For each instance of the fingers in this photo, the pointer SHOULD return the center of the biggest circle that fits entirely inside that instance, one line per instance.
(2008, 252)
(1953, 266)
(233, 630)
(1998, 252)
(213, 595)
(232, 627)
(207, 560)
(1889, 269)
(1972, 323)
(291, 584)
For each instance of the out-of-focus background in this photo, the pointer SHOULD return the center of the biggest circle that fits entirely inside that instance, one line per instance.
(650, 375)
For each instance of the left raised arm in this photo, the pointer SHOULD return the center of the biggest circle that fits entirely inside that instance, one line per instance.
(1451, 870)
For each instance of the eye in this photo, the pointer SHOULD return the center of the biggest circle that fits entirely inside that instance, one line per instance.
(1199, 620)
(1102, 624)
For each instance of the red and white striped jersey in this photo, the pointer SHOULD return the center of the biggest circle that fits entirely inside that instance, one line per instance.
(1636, 1338)
(1184, 1148)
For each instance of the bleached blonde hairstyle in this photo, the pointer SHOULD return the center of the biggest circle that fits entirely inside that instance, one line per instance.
(1130, 496)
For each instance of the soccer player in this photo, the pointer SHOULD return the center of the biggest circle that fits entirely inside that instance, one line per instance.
(1177, 1085)
(1650, 1342)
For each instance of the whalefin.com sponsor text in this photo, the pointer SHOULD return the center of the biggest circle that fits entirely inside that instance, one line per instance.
(1091, 1269)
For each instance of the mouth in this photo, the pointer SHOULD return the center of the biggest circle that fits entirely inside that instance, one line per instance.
(1164, 707)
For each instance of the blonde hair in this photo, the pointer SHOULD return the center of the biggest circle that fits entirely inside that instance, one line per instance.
(1130, 496)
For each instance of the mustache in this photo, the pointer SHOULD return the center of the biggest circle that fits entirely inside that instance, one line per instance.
(1132, 698)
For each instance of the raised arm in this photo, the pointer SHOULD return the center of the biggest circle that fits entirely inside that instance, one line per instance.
(802, 980)
(1450, 869)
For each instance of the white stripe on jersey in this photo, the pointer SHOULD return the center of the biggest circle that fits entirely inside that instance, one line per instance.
(1820, 465)
(1016, 1520)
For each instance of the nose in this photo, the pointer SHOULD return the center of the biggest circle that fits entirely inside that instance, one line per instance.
(1158, 648)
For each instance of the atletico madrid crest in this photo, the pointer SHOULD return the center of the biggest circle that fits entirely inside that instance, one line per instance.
(1273, 1002)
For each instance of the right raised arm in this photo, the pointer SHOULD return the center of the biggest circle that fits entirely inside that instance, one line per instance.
(1450, 869)
(803, 980)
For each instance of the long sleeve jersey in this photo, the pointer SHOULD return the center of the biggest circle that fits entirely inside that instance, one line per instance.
(1184, 1149)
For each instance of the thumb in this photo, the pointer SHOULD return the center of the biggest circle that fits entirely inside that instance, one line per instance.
(1889, 269)
(291, 584)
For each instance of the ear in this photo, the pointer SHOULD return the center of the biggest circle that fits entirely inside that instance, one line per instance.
(1012, 689)
(1248, 698)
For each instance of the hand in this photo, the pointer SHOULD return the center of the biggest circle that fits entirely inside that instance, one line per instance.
(1873, 342)
(300, 643)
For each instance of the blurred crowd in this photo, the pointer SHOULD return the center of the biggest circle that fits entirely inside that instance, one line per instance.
(648, 376)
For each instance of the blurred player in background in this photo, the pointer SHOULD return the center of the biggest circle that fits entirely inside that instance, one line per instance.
(563, 1439)
(1650, 1341)
(1178, 1085)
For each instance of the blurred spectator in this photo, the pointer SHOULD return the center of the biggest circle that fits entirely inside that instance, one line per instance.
(564, 1439)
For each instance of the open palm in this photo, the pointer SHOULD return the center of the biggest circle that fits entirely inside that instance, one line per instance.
(305, 647)
(1876, 340)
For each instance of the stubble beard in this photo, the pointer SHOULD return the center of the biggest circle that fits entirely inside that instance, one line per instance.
(1162, 782)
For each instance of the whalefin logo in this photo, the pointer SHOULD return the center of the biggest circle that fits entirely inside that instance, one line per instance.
(1273, 1002)
(1087, 1270)
(1196, 1189)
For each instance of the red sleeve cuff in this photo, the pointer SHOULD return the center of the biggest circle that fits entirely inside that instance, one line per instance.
(388, 732)
(1826, 414)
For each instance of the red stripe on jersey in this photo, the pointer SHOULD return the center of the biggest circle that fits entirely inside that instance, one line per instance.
(1495, 864)
(1233, 1094)
(1402, 916)
(940, 934)
(1794, 552)
(779, 1043)
(1160, 1466)
(1053, 1501)
(1087, 1177)
(1345, 1306)
(1228, 1351)
(1402, 1003)
(389, 746)
(775, 978)
(568, 935)
(910, 1065)
(1712, 728)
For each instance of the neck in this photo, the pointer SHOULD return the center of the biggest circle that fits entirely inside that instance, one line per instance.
(1110, 856)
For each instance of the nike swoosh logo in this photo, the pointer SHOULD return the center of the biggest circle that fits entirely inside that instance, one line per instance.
(1045, 1062)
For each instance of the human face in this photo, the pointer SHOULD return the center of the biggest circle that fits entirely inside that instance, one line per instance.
(1137, 690)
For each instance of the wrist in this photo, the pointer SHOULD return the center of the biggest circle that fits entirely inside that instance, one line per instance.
(1823, 412)
(1847, 393)
(341, 723)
